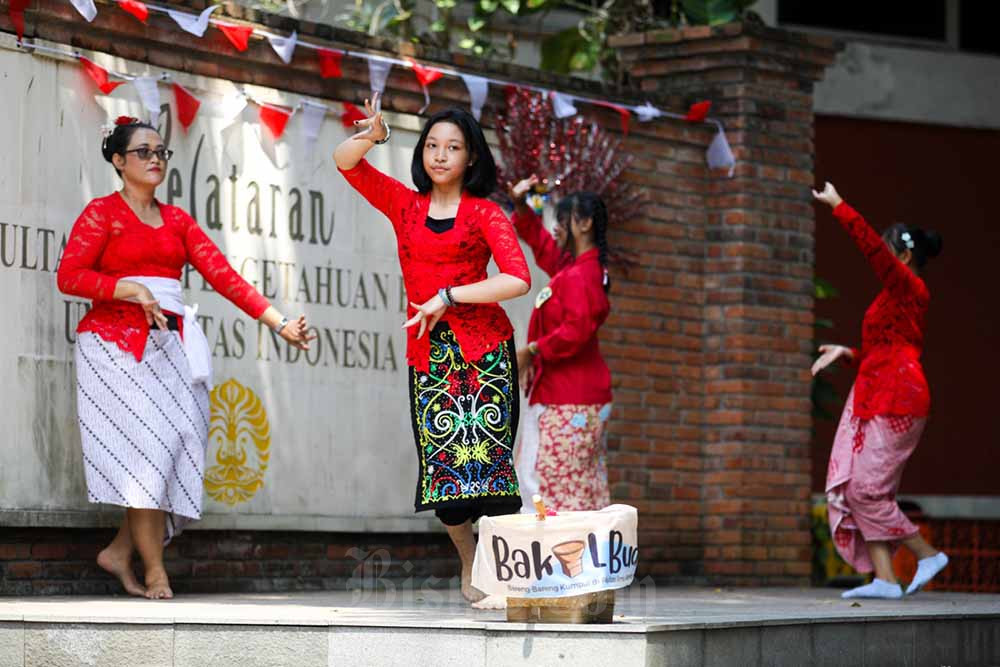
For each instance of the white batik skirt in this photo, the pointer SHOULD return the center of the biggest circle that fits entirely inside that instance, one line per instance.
(144, 426)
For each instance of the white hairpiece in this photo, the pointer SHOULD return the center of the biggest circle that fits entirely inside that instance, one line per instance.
(907, 239)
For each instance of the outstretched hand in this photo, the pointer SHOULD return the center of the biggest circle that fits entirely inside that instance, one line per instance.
(373, 127)
(828, 195)
(297, 333)
(427, 315)
(830, 354)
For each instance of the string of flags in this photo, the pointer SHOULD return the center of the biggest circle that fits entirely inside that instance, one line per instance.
(276, 118)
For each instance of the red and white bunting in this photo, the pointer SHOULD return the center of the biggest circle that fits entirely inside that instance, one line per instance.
(238, 35)
(196, 25)
(425, 77)
(149, 92)
(275, 119)
(562, 105)
(187, 105)
(135, 8)
(351, 114)
(329, 63)
(378, 72)
(719, 155)
(284, 46)
(16, 12)
(99, 75)
(87, 9)
(698, 112)
(313, 115)
(478, 87)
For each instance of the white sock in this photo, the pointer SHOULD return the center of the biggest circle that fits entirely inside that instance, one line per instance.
(927, 568)
(879, 588)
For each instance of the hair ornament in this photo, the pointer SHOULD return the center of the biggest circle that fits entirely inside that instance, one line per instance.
(126, 120)
(907, 240)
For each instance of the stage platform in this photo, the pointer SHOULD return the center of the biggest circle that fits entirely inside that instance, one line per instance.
(657, 627)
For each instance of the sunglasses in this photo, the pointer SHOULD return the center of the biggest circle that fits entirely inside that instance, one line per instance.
(145, 153)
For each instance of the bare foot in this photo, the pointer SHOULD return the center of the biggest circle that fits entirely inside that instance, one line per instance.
(158, 586)
(121, 568)
(470, 592)
(491, 602)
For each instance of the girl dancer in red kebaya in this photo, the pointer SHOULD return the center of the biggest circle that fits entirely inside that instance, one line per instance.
(563, 445)
(886, 410)
(460, 349)
(143, 365)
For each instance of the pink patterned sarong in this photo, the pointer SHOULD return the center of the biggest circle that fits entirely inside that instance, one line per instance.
(866, 465)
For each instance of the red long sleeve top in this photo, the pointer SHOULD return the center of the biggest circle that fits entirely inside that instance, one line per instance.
(569, 368)
(459, 256)
(109, 242)
(890, 377)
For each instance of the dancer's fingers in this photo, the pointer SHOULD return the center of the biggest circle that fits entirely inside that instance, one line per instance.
(423, 327)
(413, 320)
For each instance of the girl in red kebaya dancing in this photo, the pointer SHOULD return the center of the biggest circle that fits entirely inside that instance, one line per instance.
(143, 365)
(886, 410)
(460, 349)
(563, 443)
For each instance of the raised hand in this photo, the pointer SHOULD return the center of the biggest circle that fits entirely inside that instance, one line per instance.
(828, 195)
(373, 127)
(830, 354)
(518, 191)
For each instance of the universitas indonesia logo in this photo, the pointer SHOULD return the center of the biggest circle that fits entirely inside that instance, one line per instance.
(240, 437)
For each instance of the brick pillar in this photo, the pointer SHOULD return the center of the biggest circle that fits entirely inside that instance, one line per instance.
(757, 282)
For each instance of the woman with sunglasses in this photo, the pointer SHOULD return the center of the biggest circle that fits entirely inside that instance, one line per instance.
(143, 365)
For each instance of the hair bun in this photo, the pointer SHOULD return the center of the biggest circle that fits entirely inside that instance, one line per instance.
(933, 243)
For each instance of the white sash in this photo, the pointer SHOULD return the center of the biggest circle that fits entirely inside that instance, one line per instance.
(168, 292)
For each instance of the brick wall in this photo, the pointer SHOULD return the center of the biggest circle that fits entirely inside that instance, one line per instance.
(708, 340)
(756, 321)
(48, 561)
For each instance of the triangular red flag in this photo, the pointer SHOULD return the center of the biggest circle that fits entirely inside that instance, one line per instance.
(625, 114)
(351, 114)
(329, 63)
(17, 8)
(275, 119)
(238, 35)
(426, 75)
(698, 112)
(135, 8)
(187, 106)
(100, 76)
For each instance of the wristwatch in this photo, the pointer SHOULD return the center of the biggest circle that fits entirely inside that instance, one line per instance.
(281, 325)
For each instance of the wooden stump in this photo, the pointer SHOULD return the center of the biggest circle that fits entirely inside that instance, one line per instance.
(596, 607)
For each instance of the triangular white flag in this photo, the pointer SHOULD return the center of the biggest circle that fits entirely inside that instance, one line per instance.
(312, 120)
(719, 154)
(87, 9)
(647, 112)
(562, 105)
(231, 106)
(478, 89)
(378, 72)
(196, 25)
(284, 46)
(149, 93)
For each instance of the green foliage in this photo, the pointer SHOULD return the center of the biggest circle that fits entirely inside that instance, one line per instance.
(713, 12)
(575, 50)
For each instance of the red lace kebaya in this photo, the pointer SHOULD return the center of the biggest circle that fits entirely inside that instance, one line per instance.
(109, 242)
(890, 377)
(459, 256)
